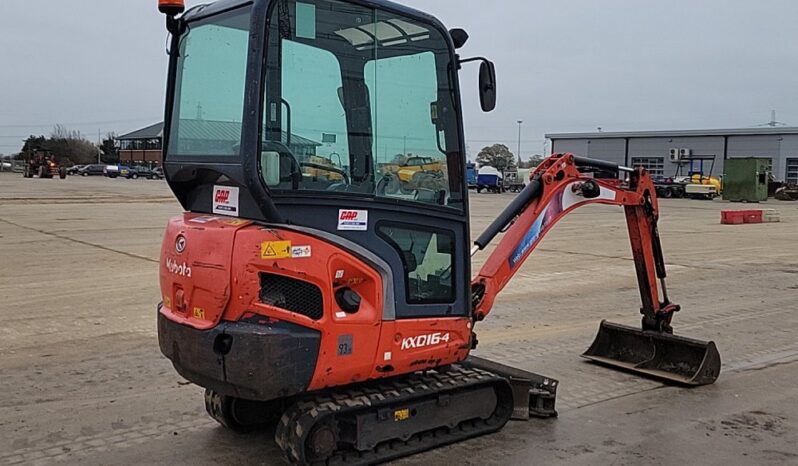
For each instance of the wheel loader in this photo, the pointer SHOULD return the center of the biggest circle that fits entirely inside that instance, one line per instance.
(334, 308)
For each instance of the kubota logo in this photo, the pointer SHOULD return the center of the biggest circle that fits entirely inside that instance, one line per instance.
(182, 270)
(180, 244)
(222, 196)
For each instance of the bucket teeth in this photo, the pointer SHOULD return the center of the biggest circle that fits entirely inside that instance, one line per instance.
(672, 358)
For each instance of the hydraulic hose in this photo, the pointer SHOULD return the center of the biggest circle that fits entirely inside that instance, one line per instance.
(531, 192)
(602, 164)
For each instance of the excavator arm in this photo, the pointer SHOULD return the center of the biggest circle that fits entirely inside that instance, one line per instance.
(556, 188)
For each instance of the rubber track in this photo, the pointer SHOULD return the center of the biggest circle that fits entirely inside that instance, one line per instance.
(298, 421)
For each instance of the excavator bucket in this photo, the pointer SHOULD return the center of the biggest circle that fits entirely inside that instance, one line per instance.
(664, 356)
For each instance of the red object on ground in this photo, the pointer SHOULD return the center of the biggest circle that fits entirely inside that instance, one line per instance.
(753, 216)
(738, 217)
(731, 217)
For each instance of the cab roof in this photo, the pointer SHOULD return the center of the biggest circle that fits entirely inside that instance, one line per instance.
(211, 8)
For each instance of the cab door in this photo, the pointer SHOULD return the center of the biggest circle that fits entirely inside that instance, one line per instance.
(372, 87)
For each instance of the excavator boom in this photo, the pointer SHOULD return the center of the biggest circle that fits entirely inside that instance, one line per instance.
(556, 188)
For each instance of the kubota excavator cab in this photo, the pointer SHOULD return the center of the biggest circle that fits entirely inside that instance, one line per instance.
(259, 91)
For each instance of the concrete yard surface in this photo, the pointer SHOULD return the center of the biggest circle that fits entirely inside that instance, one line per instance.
(82, 380)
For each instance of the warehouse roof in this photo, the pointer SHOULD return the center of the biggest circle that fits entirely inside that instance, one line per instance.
(677, 133)
(150, 132)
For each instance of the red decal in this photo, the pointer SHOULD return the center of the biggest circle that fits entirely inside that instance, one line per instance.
(349, 215)
(222, 196)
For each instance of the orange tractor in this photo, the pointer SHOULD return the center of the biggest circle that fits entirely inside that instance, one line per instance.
(332, 306)
(44, 165)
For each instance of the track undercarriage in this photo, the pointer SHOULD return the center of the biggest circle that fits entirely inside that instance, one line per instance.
(379, 421)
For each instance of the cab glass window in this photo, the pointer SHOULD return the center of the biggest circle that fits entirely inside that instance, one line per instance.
(209, 91)
(359, 102)
(427, 258)
(410, 154)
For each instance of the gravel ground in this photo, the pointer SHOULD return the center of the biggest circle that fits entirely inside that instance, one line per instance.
(82, 379)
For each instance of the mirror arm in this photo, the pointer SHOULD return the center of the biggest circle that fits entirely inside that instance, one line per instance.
(468, 60)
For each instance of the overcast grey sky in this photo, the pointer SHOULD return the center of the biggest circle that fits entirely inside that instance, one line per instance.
(563, 65)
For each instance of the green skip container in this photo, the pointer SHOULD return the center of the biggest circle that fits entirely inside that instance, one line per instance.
(746, 179)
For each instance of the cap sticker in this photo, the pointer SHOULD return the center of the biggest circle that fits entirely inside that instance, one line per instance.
(353, 220)
(225, 200)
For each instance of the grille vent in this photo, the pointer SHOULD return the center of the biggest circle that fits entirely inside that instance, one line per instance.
(292, 295)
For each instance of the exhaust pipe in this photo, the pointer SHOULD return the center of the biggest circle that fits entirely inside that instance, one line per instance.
(664, 356)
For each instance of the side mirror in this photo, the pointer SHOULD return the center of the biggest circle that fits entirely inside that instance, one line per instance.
(487, 86)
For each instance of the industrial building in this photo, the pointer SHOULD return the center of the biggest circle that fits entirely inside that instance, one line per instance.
(675, 153)
(145, 145)
(142, 145)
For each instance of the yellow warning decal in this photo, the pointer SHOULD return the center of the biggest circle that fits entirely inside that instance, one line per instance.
(199, 313)
(275, 250)
(401, 415)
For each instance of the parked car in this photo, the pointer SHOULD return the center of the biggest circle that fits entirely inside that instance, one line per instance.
(113, 171)
(142, 172)
(159, 171)
(94, 169)
(74, 169)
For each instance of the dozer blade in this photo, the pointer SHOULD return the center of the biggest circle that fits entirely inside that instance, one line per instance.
(534, 395)
(661, 355)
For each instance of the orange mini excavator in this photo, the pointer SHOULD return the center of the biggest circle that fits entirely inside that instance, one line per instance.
(313, 296)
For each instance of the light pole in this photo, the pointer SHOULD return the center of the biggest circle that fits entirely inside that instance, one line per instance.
(520, 122)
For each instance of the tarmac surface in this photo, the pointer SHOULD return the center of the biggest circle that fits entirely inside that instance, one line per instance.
(82, 380)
